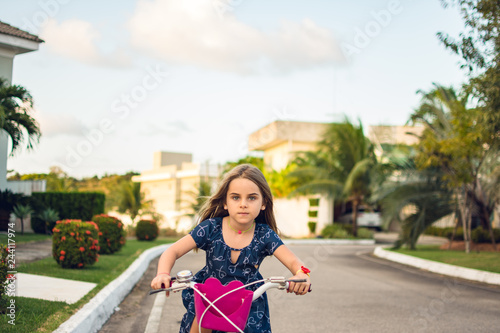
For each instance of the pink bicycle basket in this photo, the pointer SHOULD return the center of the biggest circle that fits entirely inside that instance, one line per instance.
(236, 305)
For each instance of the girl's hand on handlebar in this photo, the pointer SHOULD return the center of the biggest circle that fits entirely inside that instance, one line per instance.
(299, 288)
(161, 281)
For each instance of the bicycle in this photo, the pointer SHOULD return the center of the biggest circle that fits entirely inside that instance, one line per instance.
(230, 314)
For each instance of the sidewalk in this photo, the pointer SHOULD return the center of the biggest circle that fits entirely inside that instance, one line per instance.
(44, 287)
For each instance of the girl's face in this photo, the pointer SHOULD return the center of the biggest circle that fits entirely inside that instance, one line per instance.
(244, 200)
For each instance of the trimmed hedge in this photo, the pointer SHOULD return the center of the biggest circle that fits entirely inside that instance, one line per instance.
(334, 231)
(146, 230)
(337, 230)
(445, 232)
(69, 205)
(111, 233)
(479, 235)
(75, 244)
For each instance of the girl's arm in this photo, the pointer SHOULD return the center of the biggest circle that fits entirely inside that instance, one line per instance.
(168, 258)
(294, 265)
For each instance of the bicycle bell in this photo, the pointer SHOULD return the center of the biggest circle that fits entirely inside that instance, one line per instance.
(184, 276)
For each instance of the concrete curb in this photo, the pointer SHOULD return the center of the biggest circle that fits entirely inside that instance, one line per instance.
(97, 311)
(439, 268)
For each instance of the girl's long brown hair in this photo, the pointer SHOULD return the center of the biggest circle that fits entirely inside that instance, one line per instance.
(214, 206)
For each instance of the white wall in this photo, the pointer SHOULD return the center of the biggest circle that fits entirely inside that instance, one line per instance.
(292, 215)
(27, 187)
(4, 140)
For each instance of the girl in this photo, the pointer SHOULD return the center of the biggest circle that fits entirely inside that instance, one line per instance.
(237, 231)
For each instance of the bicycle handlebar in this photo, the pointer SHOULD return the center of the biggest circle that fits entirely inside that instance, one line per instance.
(272, 282)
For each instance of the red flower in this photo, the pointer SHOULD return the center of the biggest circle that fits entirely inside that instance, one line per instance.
(72, 233)
(63, 252)
(63, 238)
(80, 265)
(82, 248)
(100, 233)
(87, 232)
(61, 258)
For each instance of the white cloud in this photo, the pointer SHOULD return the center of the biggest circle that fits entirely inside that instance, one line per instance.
(171, 128)
(57, 124)
(195, 33)
(77, 40)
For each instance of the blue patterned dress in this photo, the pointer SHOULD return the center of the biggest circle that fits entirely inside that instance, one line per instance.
(208, 237)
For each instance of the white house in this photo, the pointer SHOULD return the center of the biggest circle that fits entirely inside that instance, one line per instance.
(13, 41)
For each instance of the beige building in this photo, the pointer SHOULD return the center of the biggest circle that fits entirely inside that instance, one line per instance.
(172, 185)
(281, 140)
(406, 135)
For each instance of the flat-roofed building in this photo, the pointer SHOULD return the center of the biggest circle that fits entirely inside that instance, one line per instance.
(281, 140)
(173, 185)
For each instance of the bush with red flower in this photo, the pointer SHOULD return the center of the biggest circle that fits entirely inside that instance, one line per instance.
(111, 233)
(75, 244)
(4, 268)
(146, 230)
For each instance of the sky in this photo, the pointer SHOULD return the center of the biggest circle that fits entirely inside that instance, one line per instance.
(117, 80)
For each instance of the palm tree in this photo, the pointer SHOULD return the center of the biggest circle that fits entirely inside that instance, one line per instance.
(21, 212)
(447, 172)
(49, 217)
(342, 166)
(198, 197)
(132, 200)
(15, 106)
(414, 198)
(462, 150)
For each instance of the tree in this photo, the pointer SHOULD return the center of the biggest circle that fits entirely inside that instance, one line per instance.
(49, 217)
(454, 143)
(15, 106)
(22, 212)
(281, 182)
(198, 197)
(342, 166)
(479, 47)
(258, 162)
(415, 198)
(132, 200)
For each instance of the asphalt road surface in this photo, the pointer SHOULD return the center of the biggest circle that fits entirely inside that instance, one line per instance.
(352, 292)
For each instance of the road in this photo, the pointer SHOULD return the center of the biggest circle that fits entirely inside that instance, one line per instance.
(352, 292)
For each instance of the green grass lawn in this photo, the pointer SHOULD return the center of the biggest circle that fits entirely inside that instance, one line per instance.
(103, 272)
(485, 261)
(26, 238)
